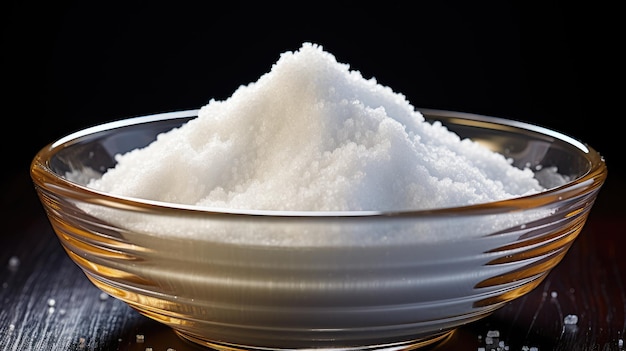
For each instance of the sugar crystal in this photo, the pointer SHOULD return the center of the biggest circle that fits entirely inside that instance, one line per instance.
(493, 333)
(14, 262)
(570, 319)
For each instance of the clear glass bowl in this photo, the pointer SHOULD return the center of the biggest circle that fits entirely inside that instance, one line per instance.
(276, 280)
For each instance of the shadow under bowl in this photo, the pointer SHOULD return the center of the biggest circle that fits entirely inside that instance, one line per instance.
(279, 280)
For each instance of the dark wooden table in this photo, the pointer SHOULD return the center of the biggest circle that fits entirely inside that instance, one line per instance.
(48, 304)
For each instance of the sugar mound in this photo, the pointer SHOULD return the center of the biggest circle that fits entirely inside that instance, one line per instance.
(314, 135)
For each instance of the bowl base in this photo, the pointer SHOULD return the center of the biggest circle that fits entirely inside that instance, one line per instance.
(399, 346)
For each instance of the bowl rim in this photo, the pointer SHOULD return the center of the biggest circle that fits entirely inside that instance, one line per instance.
(45, 178)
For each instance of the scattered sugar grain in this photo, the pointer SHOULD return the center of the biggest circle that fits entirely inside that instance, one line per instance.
(148, 349)
(104, 296)
(14, 263)
(51, 303)
(554, 294)
(620, 343)
(139, 338)
(493, 333)
(570, 319)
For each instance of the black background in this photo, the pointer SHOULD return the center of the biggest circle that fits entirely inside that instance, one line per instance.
(68, 65)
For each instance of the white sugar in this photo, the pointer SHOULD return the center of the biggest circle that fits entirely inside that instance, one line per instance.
(312, 134)
(14, 263)
(570, 319)
(103, 296)
(493, 333)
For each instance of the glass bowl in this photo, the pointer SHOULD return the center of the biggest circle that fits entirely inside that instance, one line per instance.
(280, 280)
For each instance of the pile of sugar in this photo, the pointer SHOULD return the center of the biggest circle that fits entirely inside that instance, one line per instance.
(313, 135)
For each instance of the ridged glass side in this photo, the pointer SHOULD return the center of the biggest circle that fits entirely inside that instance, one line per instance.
(342, 281)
